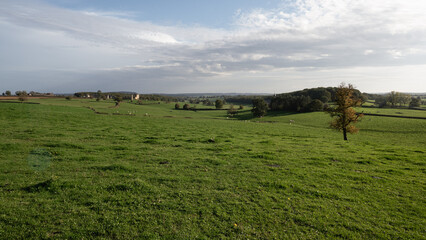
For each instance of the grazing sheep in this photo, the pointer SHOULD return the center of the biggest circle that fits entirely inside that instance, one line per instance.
(291, 121)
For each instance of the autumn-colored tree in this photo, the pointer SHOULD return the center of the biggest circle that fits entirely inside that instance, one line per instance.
(344, 115)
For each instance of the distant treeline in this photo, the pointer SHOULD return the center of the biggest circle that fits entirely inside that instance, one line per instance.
(307, 100)
(158, 97)
(242, 99)
(396, 99)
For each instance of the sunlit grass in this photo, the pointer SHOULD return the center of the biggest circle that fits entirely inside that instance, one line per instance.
(184, 174)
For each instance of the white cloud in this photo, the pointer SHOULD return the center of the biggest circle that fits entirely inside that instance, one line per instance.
(368, 52)
(300, 35)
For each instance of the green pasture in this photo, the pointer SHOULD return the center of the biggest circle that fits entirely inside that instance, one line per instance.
(159, 173)
(393, 111)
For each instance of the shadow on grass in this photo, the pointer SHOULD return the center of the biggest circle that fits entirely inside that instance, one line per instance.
(248, 115)
(42, 186)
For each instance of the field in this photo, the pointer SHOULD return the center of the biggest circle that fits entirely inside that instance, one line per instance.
(159, 173)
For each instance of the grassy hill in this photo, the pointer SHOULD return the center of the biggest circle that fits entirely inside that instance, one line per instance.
(157, 172)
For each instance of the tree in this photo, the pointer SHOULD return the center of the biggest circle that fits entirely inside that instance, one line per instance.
(8, 93)
(393, 98)
(415, 102)
(177, 106)
(315, 106)
(260, 107)
(219, 104)
(344, 115)
(405, 98)
(186, 106)
(207, 102)
(381, 101)
(21, 93)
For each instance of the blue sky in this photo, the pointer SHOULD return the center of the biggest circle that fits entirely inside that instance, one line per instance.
(218, 14)
(212, 46)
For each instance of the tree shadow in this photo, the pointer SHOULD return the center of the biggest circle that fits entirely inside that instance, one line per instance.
(248, 115)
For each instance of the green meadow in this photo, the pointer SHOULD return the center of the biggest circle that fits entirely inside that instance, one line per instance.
(150, 171)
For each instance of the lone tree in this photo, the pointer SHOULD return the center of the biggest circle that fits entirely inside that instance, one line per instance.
(260, 107)
(343, 113)
(219, 104)
(8, 93)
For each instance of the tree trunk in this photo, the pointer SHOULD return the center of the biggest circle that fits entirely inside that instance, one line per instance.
(344, 134)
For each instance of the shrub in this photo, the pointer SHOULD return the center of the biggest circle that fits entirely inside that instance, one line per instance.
(186, 106)
(177, 106)
(219, 104)
(68, 98)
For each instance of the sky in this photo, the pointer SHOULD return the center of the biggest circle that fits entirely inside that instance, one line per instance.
(203, 46)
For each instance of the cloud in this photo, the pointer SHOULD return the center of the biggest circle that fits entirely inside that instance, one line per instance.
(106, 48)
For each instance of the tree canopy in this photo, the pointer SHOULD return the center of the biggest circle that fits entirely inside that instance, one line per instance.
(260, 107)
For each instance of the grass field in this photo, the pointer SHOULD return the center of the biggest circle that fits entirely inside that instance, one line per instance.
(161, 173)
(394, 111)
